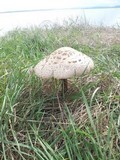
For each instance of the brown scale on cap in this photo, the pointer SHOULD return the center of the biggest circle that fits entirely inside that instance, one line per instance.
(55, 62)
(74, 61)
(58, 57)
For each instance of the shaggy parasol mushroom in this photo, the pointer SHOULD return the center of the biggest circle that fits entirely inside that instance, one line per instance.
(62, 64)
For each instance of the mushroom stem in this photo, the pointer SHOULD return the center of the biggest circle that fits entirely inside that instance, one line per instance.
(64, 85)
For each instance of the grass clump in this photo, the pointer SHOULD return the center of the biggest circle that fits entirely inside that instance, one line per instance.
(34, 122)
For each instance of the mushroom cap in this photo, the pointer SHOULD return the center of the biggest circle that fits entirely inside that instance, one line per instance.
(64, 63)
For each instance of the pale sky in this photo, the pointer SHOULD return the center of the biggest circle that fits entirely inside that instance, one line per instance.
(26, 19)
(11, 5)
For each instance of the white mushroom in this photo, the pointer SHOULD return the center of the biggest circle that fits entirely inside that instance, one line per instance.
(64, 63)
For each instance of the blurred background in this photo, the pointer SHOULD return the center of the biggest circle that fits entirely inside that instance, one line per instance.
(25, 13)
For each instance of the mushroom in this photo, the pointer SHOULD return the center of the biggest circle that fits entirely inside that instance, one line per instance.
(62, 64)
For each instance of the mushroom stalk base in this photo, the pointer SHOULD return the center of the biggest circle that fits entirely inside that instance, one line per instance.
(64, 85)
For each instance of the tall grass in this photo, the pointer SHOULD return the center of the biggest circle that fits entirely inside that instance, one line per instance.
(36, 123)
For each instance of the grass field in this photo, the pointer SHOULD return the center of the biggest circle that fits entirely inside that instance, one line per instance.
(35, 123)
